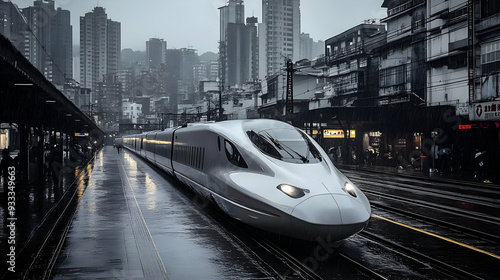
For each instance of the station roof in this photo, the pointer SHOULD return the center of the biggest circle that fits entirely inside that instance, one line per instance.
(28, 98)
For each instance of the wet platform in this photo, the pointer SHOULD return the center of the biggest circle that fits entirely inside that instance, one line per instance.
(40, 209)
(132, 222)
(119, 218)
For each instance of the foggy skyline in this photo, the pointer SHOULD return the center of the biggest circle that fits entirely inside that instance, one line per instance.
(195, 23)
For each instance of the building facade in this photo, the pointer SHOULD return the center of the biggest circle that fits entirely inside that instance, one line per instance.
(186, 86)
(109, 103)
(156, 52)
(48, 40)
(349, 61)
(281, 34)
(238, 45)
(100, 47)
(12, 24)
(131, 112)
(403, 57)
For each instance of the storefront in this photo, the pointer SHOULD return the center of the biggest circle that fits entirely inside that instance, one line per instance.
(340, 145)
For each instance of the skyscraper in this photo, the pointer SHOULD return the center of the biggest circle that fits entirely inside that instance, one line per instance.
(11, 23)
(156, 52)
(48, 40)
(281, 30)
(100, 47)
(238, 45)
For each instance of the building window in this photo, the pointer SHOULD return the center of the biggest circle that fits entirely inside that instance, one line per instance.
(489, 8)
(393, 76)
(490, 52)
(490, 57)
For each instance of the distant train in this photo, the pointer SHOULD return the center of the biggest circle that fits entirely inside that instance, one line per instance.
(265, 173)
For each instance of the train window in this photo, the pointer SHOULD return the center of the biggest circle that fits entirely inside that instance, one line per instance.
(264, 144)
(233, 155)
(290, 145)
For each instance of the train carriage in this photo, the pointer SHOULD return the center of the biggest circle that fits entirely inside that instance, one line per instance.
(265, 173)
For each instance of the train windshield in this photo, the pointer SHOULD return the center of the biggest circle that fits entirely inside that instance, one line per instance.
(290, 145)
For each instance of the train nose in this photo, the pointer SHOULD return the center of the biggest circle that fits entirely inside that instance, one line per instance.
(334, 217)
(319, 209)
(328, 209)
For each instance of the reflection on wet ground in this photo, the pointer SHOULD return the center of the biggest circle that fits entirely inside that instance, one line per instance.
(37, 207)
(132, 222)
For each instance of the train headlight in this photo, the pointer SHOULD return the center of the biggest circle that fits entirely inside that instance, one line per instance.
(292, 191)
(349, 188)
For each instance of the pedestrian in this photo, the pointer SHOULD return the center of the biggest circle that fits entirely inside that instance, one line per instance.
(481, 168)
(54, 161)
(118, 147)
(332, 154)
(338, 157)
(6, 163)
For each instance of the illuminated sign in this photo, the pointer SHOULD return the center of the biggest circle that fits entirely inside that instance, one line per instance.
(480, 125)
(81, 134)
(486, 111)
(465, 126)
(337, 133)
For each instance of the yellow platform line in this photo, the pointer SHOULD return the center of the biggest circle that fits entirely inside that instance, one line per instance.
(438, 236)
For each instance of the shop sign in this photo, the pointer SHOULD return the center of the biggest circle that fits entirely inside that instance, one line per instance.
(338, 133)
(81, 134)
(487, 111)
(480, 125)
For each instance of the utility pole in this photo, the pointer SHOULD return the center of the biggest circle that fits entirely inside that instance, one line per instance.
(208, 110)
(289, 89)
(221, 86)
(471, 50)
(222, 75)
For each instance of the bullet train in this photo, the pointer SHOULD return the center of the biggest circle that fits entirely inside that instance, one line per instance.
(265, 173)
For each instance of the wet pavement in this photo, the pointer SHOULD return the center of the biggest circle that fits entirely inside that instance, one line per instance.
(134, 223)
(36, 214)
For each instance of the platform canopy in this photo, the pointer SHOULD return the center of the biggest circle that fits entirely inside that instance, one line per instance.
(28, 98)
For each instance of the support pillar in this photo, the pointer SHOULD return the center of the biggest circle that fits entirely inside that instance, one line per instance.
(23, 154)
(40, 154)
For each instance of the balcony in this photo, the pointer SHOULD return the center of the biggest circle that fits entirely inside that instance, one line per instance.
(395, 90)
(345, 52)
(404, 7)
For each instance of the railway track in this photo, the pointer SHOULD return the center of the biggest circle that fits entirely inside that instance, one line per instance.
(296, 265)
(437, 265)
(460, 225)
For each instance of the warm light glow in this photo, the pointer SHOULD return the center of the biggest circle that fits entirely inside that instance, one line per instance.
(292, 191)
(349, 188)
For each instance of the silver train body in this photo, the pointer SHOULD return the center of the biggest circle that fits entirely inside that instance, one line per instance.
(265, 173)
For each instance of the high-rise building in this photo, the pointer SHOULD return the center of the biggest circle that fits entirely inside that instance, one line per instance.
(281, 30)
(189, 58)
(109, 103)
(238, 45)
(62, 46)
(156, 52)
(48, 40)
(100, 47)
(306, 46)
(11, 23)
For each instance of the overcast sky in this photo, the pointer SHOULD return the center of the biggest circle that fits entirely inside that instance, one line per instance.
(195, 23)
